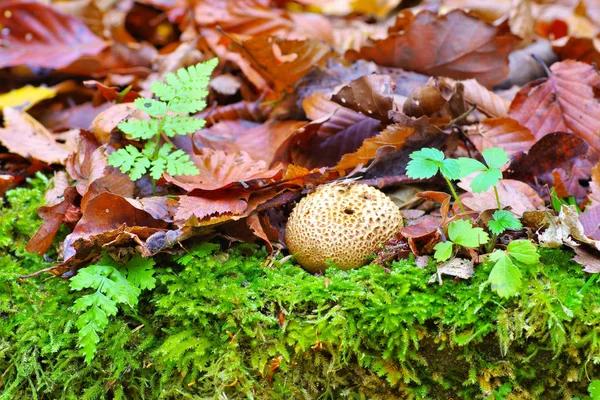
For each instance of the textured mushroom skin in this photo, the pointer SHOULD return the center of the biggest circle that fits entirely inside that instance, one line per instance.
(341, 223)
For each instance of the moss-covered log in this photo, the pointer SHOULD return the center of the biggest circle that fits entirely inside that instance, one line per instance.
(228, 326)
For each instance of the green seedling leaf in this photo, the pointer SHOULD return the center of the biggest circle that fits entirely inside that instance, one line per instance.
(524, 251)
(443, 251)
(490, 174)
(486, 180)
(450, 169)
(505, 277)
(424, 163)
(503, 220)
(461, 232)
(140, 272)
(594, 389)
(469, 165)
(495, 157)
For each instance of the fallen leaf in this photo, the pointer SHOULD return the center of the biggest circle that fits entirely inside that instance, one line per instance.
(505, 133)
(41, 36)
(53, 216)
(25, 136)
(563, 102)
(26, 97)
(588, 258)
(201, 208)
(267, 55)
(488, 102)
(371, 95)
(555, 151)
(219, 170)
(457, 267)
(455, 45)
(590, 220)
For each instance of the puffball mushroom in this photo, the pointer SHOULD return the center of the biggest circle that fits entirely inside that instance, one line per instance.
(341, 223)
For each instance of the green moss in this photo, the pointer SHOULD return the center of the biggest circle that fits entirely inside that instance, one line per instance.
(227, 326)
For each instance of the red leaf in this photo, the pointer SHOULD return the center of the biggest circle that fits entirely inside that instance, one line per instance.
(455, 45)
(41, 36)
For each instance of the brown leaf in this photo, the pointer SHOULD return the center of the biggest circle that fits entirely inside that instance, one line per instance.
(105, 213)
(41, 36)
(394, 136)
(371, 95)
(228, 204)
(487, 101)
(519, 196)
(555, 151)
(594, 195)
(284, 62)
(563, 102)
(505, 133)
(219, 170)
(53, 216)
(109, 119)
(25, 136)
(521, 20)
(455, 45)
(590, 219)
(588, 258)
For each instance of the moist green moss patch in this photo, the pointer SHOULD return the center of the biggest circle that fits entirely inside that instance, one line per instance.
(225, 325)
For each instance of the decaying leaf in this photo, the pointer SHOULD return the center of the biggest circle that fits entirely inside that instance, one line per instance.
(563, 102)
(39, 35)
(25, 136)
(457, 267)
(478, 50)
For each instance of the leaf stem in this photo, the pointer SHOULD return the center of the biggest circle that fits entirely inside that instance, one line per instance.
(497, 198)
(456, 199)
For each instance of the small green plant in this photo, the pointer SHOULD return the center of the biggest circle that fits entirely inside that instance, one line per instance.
(503, 391)
(593, 390)
(505, 277)
(183, 93)
(558, 202)
(460, 233)
(113, 286)
(425, 163)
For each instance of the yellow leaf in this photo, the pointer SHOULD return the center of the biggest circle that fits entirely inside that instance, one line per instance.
(26, 97)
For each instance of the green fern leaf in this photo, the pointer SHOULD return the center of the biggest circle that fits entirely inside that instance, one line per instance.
(152, 107)
(130, 161)
(187, 84)
(181, 125)
(186, 106)
(179, 163)
(140, 129)
(140, 272)
(158, 168)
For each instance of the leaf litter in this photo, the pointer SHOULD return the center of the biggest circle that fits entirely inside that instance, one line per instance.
(298, 99)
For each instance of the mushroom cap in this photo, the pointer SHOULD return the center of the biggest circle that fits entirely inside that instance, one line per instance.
(341, 223)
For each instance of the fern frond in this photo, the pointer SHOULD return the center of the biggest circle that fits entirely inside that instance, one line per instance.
(152, 107)
(181, 125)
(179, 163)
(130, 161)
(187, 84)
(186, 106)
(140, 129)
